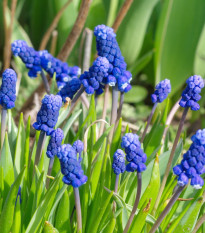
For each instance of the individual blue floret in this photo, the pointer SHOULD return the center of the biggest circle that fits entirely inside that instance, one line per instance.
(134, 153)
(48, 115)
(8, 89)
(55, 141)
(191, 95)
(70, 89)
(161, 92)
(93, 78)
(29, 56)
(79, 147)
(70, 166)
(192, 164)
(108, 47)
(118, 164)
(63, 72)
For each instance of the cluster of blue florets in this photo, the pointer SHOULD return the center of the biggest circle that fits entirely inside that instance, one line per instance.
(79, 147)
(70, 166)
(192, 165)
(161, 92)
(108, 47)
(48, 115)
(191, 95)
(93, 78)
(134, 153)
(55, 141)
(70, 89)
(8, 89)
(118, 164)
(28, 55)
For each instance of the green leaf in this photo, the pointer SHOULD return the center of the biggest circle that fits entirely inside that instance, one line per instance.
(174, 59)
(20, 145)
(6, 219)
(48, 228)
(7, 164)
(189, 220)
(132, 30)
(62, 219)
(135, 95)
(53, 84)
(40, 212)
(110, 226)
(16, 226)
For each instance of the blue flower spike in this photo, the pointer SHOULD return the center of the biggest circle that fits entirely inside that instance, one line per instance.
(48, 115)
(70, 166)
(192, 164)
(108, 47)
(191, 95)
(161, 92)
(134, 153)
(29, 56)
(7, 97)
(93, 78)
(70, 89)
(118, 164)
(55, 141)
(79, 147)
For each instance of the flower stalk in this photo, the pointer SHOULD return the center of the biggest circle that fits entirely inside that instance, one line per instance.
(78, 209)
(167, 208)
(119, 111)
(139, 188)
(3, 125)
(45, 82)
(40, 146)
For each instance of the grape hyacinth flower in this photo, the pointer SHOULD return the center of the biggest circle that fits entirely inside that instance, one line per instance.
(192, 165)
(118, 166)
(79, 147)
(73, 175)
(92, 79)
(7, 97)
(108, 47)
(46, 120)
(31, 59)
(136, 158)
(70, 89)
(161, 92)
(191, 95)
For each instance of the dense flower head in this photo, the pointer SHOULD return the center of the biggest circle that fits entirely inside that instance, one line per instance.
(191, 95)
(93, 78)
(108, 47)
(161, 92)
(134, 153)
(48, 115)
(28, 55)
(118, 164)
(8, 89)
(70, 166)
(79, 147)
(52, 65)
(55, 141)
(192, 164)
(70, 89)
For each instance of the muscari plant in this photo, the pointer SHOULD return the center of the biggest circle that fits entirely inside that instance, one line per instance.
(35, 190)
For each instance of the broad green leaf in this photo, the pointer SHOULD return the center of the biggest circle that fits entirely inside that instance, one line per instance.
(6, 218)
(43, 207)
(62, 218)
(62, 115)
(174, 59)
(49, 228)
(16, 226)
(116, 138)
(1, 182)
(189, 220)
(20, 146)
(7, 164)
(110, 226)
(132, 30)
(135, 95)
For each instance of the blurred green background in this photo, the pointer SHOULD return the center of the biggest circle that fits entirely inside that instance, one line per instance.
(158, 38)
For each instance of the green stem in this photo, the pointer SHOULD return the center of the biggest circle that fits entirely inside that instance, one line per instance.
(3, 125)
(41, 142)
